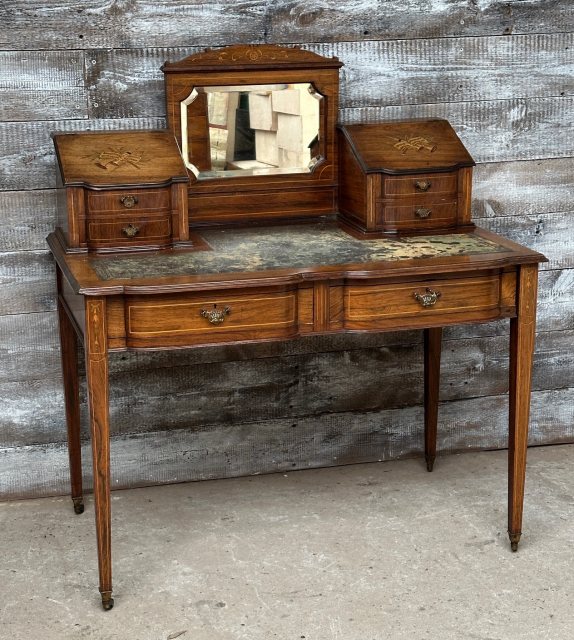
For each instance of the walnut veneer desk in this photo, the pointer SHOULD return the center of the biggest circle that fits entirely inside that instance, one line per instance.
(278, 283)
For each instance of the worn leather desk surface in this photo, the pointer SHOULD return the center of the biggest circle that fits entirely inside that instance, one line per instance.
(305, 250)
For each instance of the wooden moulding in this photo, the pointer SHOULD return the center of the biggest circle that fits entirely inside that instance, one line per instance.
(241, 199)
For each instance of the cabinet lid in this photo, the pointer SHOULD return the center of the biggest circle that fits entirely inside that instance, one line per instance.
(407, 146)
(119, 158)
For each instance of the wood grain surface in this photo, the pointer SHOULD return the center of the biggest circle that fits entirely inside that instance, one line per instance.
(500, 71)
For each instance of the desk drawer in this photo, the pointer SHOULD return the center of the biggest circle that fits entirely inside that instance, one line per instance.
(422, 303)
(131, 230)
(416, 215)
(190, 319)
(123, 201)
(412, 185)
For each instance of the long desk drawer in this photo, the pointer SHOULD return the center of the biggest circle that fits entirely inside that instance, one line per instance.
(188, 319)
(422, 303)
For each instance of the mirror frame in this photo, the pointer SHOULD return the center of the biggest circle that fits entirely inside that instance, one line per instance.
(247, 199)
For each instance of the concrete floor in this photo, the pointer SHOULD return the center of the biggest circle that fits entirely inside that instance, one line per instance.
(365, 552)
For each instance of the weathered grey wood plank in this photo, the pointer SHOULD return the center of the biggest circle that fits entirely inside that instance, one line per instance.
(281, 445)
(127, 83)
(89, 23)
(332, 20)
(549, 233)
(450, 70)
(523, 188)
(27, 282)
(27, 218)
(556, 300)
(33, 412)
(46, 85)
(493, 131)
(178, 393)
(27, 159)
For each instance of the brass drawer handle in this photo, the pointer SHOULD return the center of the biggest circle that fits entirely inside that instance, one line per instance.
(129, 201)
(423, 185)
(215, 315)
(421, 212)
(429, 298)
(131, 230)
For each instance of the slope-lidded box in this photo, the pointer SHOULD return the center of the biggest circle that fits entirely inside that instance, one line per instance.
(405, 176)
(121, 190)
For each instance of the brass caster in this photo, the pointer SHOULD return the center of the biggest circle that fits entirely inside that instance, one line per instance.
(430, 462)
(107, 601)
(78, 505)
(514, 540)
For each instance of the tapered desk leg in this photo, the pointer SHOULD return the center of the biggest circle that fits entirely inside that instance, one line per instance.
(522, 330)
(432, 347)
(98, 403)
(69, 349)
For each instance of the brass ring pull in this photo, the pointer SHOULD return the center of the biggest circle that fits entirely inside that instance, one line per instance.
(129, 201)
(423, 185)
(429, 298)
(421, 212)
(131, 230)
(215, 315)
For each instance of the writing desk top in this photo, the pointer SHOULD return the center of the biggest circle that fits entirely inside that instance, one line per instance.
(271, 254)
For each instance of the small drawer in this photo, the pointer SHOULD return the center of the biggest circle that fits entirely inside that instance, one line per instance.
(424, 303)
(416, 215)
(125, 201)
(134, 230)
(430, 183)
(207, 319)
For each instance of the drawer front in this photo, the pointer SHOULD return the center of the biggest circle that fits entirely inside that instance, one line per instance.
(423, 303)
(429, 183)
(206, 319)
(125, 201)
(132, 230)
(416, 215)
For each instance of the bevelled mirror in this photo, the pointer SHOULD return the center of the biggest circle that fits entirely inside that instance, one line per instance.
(256, 128)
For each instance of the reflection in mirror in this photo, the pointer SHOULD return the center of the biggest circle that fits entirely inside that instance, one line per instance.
(251, 130)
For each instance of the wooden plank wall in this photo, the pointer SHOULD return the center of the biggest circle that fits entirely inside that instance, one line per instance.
(500, 70)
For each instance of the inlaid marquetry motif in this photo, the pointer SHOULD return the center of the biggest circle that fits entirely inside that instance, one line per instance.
(113, 158)
(254, 54)
(249, 53)
(416, 143)
(95, 309)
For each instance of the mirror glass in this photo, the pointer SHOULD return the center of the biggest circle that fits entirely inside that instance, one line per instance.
(230, 131)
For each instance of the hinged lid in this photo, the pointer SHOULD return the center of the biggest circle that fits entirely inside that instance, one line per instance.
(408, 146)
(119, 158)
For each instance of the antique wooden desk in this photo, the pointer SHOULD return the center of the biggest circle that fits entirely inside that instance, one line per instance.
(131, 276)
(279, 283)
